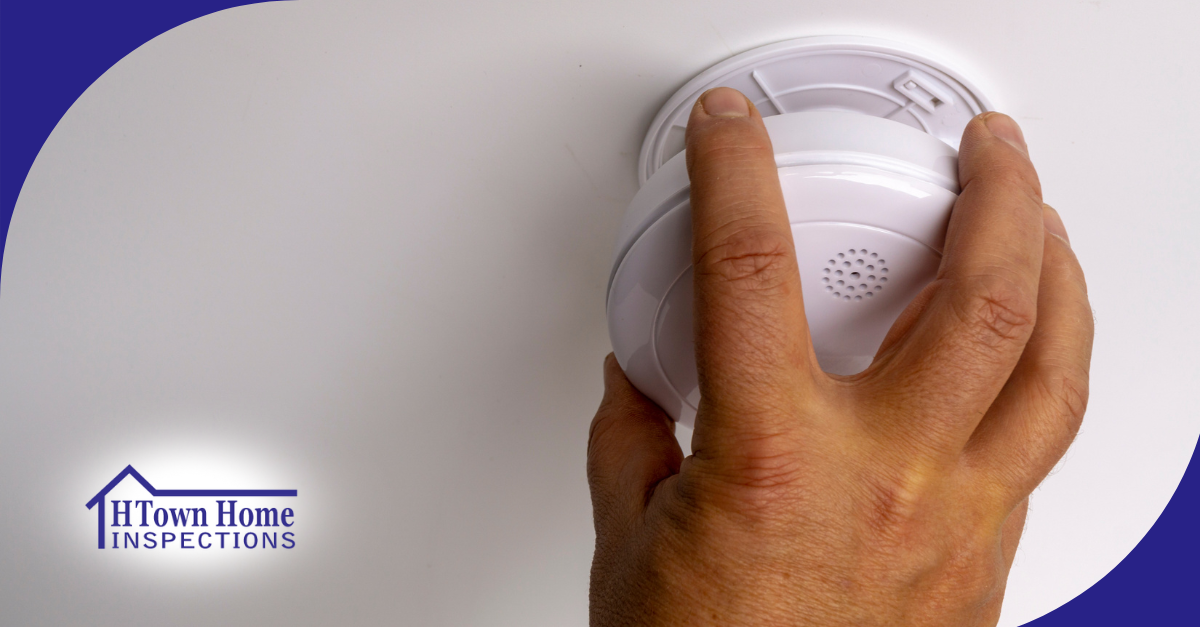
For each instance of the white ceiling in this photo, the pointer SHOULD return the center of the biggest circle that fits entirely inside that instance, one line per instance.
(361, 249)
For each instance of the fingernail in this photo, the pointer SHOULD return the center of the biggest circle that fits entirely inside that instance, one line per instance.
(1007, 129)
(1054, 223)
(724, 102)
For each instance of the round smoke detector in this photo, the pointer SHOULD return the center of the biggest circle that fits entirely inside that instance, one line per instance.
(869, 180)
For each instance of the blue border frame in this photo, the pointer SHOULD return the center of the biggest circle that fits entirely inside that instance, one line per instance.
(51, 51)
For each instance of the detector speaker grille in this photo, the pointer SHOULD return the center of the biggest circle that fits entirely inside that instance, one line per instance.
(855, 274)
(852, 296)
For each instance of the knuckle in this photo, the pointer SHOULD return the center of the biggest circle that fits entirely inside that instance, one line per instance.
(1057, 406)
(603, 471)
(894, 501)
(1067, 393)
(1064, 264)
(723, 151)
(976, 568)
(597, 440)
(756, 258)
(765, 472)
(756, 487)
(962, 557)
(1073, 395)
(729, 140)
(890, 508)
(727, 145)
(1005, 175)
(1019, 177)
(998, 314)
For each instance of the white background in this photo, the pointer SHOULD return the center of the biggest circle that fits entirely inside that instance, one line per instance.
(360, 250)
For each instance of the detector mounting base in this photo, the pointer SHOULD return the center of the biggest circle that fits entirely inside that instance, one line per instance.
(867, 75)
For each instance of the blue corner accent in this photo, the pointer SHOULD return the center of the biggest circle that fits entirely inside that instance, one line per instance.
(1158, 582)
(51, 51)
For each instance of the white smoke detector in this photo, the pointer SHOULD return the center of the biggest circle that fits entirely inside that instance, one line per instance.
(865, 134)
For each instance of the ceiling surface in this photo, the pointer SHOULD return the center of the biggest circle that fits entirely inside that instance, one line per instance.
(361, 248)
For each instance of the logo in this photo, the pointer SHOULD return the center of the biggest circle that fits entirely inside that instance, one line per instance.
(193, 519)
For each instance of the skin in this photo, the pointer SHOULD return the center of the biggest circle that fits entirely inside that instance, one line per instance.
(895, 496)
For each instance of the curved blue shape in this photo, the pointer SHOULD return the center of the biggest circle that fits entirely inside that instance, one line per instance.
(1158, 583)
(51, 51)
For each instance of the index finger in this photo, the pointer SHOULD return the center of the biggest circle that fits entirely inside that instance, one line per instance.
(753, 351)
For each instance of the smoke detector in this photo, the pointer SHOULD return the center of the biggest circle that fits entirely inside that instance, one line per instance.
(865, 134)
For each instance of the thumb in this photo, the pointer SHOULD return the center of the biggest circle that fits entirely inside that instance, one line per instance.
(631, 448)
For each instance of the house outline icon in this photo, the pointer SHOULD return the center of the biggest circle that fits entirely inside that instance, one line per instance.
(129, 471)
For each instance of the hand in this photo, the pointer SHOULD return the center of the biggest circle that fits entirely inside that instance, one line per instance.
(892, 497)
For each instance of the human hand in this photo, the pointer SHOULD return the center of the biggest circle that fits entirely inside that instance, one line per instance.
(895, 496)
